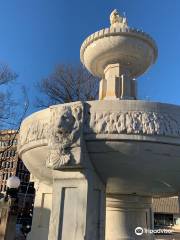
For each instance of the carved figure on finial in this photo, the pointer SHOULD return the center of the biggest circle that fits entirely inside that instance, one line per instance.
(117, 20)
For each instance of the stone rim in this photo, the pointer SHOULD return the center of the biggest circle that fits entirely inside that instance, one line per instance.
(129, 32)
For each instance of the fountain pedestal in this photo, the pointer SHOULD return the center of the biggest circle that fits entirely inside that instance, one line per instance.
(78, 207)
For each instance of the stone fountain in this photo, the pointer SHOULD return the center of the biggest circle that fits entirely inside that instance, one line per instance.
(97, 165)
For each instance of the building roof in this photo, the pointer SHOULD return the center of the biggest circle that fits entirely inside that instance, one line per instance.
(166, 205)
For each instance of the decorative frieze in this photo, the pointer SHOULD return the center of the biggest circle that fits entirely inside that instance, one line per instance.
(36, 130)
(133, 122)
(67, 125)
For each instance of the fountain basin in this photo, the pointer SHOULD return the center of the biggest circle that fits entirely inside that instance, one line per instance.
(134, 50)
(134, 146)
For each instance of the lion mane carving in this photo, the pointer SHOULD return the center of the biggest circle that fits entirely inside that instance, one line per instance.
(65, 136)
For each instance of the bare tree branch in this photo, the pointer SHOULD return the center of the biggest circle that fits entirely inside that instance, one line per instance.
(25, 109)
(6, 74)
(6, 102)
(67, 84)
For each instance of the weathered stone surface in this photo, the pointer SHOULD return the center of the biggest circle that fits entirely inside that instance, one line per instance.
(34, 128)
(36, 131)
(124, 214)
(134, 122)
(65, 134)
(65, 124)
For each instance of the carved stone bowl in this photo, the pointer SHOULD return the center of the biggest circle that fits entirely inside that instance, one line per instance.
(133, 49)
(134, 146)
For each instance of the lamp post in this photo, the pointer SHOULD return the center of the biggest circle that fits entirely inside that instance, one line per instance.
(13, 184)
(10, 202)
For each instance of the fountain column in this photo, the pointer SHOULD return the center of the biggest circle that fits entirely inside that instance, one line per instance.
(117, 84)
(125, 214)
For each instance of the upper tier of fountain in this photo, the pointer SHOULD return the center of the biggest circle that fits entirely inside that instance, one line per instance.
(117, 55)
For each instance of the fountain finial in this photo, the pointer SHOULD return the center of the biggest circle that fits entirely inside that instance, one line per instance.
(117, 20)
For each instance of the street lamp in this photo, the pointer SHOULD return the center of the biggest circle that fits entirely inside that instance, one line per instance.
(9, 201)
(13, 184)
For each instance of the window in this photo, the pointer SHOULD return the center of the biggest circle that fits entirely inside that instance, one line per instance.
(13, 153)
(163, 220)
(5, 154)
(7, 164)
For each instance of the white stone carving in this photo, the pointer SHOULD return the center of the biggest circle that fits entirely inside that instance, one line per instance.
(65, 134)
(65, 131)
(33, 132)
(135, 122)
(117, 20)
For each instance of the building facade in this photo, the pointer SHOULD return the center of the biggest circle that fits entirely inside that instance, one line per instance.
(166, 213)
(8, 156)
(11, 165)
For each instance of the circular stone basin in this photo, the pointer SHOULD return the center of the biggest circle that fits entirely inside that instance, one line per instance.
(134, 145)
(133, 49)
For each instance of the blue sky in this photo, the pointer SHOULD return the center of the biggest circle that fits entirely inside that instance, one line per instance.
(36, 35)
